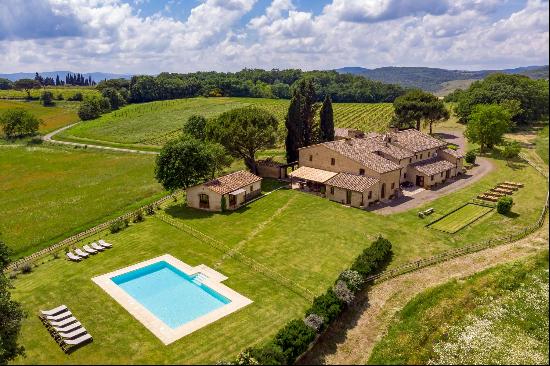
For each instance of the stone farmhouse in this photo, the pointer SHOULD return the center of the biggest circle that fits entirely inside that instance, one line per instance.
(361, 171)
(236, 189)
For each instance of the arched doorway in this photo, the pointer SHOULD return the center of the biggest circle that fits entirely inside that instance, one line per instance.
(383, 191)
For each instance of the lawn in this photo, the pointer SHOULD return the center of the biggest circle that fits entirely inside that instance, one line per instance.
(48, 193)
(499, 316)
(66, 91)
(460, 218)
(62, 114)
(155, 123)
(542, 144)
(300, 236)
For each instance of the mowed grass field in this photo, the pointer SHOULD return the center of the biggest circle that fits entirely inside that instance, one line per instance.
(300, 236)
(542, 144)
(62, 114)
(66, 91)
(460, 218)
(499, 316)
(155, 123)
(48, 193)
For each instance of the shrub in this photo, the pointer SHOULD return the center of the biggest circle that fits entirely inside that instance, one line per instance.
(76, 97)
(89, 110)
(327, 306)
(59, 96)
(27, 268)
(342, 292)
(504, 205)
(353, 279)
(139, 216)
(470, 157)
(269, 354)
(118, 225)
(150, 210)
(372, 257)
(294, 339)
(47, 99)
(245, 358)
(314, 321)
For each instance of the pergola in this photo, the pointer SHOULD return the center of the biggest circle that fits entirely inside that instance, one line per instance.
(311, 178)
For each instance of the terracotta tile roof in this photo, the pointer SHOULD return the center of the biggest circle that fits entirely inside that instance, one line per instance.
(357, 183)
(433, 166)
(231, 182)
(347, 132)
(312, 174)
(454, 153)
(415, 141)
(361, 150)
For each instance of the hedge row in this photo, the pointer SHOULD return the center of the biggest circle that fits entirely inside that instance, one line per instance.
(297, 335)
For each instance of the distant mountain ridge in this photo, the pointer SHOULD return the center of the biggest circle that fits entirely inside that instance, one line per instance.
(435, 79)
(96, 76)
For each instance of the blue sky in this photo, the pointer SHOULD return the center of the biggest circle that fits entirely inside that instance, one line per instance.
(151, 36)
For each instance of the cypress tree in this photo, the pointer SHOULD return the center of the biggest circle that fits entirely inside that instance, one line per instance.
(294, 128)
(327, 120)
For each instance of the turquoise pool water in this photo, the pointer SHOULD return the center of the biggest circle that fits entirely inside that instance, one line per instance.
(168, 293)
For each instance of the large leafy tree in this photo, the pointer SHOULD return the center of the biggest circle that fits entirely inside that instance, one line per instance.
(188, 161)
(417, 106)
(196, 127)
(326, 120)
(26, 85)
(243, 132)
(5, 84)
(19, 122)
(116, 100)
(531, 97)
(11, 314)
(487, 124)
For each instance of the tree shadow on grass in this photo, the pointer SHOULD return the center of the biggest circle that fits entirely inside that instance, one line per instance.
(337, 332)
(183, 212)
(512, 215)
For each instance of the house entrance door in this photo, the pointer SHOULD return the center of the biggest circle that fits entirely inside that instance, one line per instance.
(348, 197)
(420, 181)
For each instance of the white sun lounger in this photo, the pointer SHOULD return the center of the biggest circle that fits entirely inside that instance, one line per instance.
(67, 328)
(81, 253)
(96, 246)
(103, 243)
(89, 250)
(66, 343)
(54, 311)
(80, 331)
(73, 257)
(59, 317)
(63, 322)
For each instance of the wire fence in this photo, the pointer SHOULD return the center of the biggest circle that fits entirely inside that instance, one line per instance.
(82, 235)
(467, 249)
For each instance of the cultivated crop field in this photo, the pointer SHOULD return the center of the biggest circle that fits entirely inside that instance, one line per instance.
(62, 114)
(48, 193)
(67, 92)
(155, 123)
(499, 316)
(460, 218)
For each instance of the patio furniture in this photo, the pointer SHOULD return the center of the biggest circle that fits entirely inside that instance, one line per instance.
(67, 328)
(67, 344)
(103, 243)
(53, 311)
(89, 250)
(81, 253)
(73, 257)
(63, 322)
(96, 246)
(76, 333)
(59, 317)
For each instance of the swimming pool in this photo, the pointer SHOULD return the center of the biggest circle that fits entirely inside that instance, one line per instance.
(171, 298)
(174, 297)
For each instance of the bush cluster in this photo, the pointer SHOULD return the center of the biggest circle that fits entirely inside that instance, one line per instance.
(470, 157)
(118, 225)
(295, 337)
(504, 205)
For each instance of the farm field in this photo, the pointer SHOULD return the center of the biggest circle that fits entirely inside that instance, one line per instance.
(67, 92)
(62, 114)
(155, 123)
(542, 144)
(48, 192)
(287, 231)
(460, 218)
(498, 316)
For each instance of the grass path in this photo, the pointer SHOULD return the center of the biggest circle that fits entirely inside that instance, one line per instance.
(353, 337)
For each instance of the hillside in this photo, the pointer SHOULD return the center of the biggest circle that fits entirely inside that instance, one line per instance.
(439, 81)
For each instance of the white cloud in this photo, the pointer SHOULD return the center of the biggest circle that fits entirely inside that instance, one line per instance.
(109, 35)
